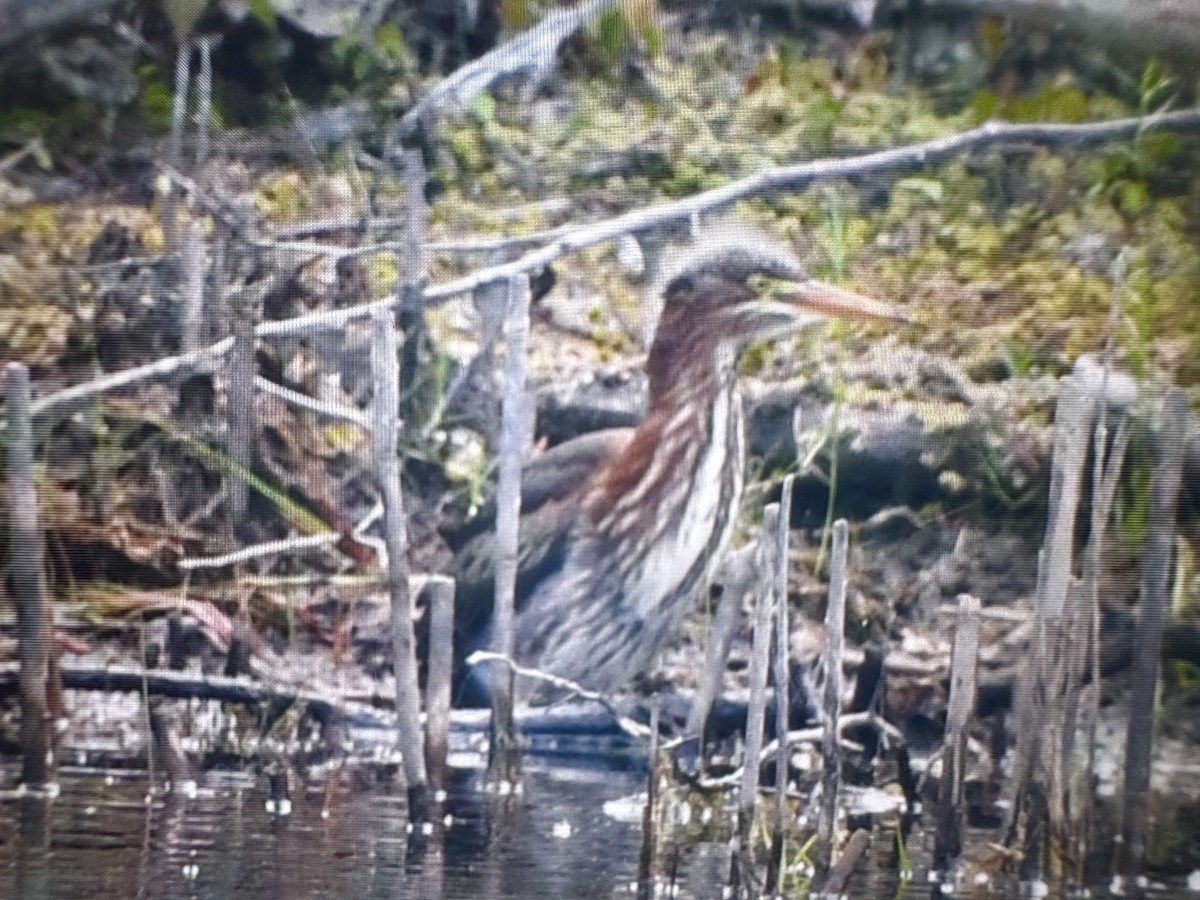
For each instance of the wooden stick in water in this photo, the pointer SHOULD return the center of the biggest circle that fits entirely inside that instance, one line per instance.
(782, 676)
(963, 660)
(1156, 580)
(385, 411)
(504, 764)
(34, 623)
(438, 676)
(835, 624)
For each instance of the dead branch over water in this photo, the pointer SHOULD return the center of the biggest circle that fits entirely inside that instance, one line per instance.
(794, 177)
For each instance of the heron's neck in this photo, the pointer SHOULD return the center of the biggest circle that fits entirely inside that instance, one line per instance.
(692, 431)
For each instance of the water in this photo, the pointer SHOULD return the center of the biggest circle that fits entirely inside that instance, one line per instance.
(347, 836)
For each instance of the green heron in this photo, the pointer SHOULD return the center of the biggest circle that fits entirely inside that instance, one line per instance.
(622, 531)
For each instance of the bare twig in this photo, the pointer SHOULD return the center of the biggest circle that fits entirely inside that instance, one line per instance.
(767, 181)
(183, 61)
(204, 85)
(737, 572)
(127, 377)
(180, 685)
(385, 409)
(491, 245)
(835, 629)
(270, 548)
(333, 410)
(33, 147)
(964, 658)
(814, 736)
(782, 680)
(1156, 576)
(26, 553)
(626, 724)
(759, 665)
(241, 412)
(440, 667)
(194, 271)
(532, 52)
(505, 762)
(770, 180)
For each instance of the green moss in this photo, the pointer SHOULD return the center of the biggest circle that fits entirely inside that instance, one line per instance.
(285, 197)
(468, 148)
(33, 220)
(154, 98)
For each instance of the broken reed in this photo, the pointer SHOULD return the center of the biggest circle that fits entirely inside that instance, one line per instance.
(1156, 578)
(35, 629)
(782, 675)
(1053, 779)
(438, 676)
(831, 703)
(964, 655)
(760, 664)
(385, 411)
(504, 761)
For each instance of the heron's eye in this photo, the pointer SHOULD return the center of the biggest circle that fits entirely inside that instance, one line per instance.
(766, 287)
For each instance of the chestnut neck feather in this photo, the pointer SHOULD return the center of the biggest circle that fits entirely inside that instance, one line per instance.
(687, 378)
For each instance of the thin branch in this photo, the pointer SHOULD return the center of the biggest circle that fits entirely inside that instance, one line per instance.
(334, 410)
(270, 548)
(34, 147)
(385, 407)
(127, 377)
(767, 181)
(490, 245)
(626, 724)
(813, 735)
(531, 51)
(160, 682)
(503, 763)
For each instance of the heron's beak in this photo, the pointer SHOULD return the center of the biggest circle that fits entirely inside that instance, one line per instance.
(821, 297)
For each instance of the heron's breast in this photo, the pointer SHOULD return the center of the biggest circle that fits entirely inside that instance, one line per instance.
(693, 532)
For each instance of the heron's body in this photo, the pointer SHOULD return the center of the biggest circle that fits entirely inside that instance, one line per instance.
(695, 490)
(610, 563)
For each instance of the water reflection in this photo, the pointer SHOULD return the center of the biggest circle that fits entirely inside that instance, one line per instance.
(347, 836)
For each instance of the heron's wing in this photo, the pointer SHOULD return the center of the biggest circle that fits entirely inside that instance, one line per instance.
(562, 470)
(548, 519)
(553, 475)
(541, 551)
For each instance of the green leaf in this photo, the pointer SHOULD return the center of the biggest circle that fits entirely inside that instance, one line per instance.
(306, 521)
(929, 188)
(360, 66)
(484, 107)
(184, 14)
(984, 105)
(264, 12)
(1157, 146)
(1133, 198)
(390, 43)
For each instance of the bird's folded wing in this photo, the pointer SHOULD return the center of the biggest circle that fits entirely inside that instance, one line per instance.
(541, 551)
(553, 475)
